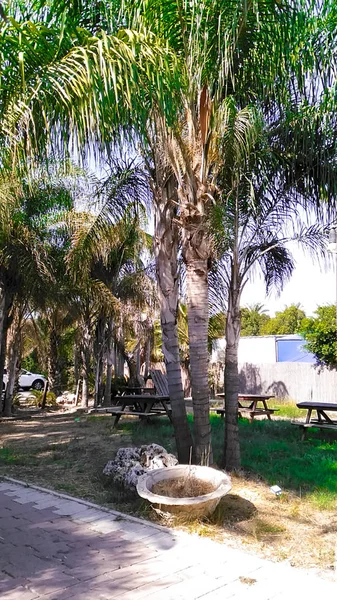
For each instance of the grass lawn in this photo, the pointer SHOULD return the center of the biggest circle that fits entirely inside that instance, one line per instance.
(67, 452)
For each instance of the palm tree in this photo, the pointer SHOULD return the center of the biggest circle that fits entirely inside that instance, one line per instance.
(28, 210)
(264, 207)
(106, 264)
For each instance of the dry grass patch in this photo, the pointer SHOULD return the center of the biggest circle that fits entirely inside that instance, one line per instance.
(67, 452)
(183, 487)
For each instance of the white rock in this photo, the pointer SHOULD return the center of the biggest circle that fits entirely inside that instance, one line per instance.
(131, 463)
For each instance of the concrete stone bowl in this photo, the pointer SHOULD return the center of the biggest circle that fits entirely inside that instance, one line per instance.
(192, 507)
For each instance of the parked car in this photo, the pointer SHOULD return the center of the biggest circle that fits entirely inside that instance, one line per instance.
(27, 380)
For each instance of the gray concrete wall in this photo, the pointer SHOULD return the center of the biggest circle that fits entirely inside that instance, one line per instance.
(297, 381)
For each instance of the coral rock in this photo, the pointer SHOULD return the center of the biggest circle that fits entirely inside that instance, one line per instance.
(130, 463)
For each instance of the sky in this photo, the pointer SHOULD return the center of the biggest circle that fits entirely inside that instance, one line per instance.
(311, 285)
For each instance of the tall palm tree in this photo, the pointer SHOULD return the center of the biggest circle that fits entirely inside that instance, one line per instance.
(28, 210)
(105, 255)
(264, 207)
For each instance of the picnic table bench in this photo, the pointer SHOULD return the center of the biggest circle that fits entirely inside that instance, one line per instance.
(248, 405)
(143, 406)
(322, 420)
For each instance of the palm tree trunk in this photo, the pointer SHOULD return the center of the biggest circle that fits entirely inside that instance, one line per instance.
(166, 252)
(2, 327)
(12, 360)
(233, 324)
(54, 371)
(6, 301)
(99, 353)
(197, 308)
(148, 349)
(85, 354)
(111, 355)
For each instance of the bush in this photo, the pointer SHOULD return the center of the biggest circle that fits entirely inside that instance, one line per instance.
(116, 383)
(37, 401)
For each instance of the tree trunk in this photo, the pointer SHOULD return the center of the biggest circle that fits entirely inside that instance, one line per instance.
(85, 354)
(137, 357)
(6, 301)
(120, 356)
(85, 391)
(197, 309)
(148, 349)
(44, 395)
(166, 252)
(54, 371)
(132, 364)
(98, 372)
(77, 360)
(12, 360)
(111, 355)
(99, 353)
(231, 385)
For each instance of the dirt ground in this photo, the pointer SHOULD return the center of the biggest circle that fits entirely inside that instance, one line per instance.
(67, 452)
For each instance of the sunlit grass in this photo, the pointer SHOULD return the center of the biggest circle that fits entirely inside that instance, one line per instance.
(68, 453)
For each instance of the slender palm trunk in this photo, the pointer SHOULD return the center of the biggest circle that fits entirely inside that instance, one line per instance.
(2, 327)
(233, 324)
(54, 370)
(132, 365)
(111, 354)
(99, 353)
(13, 347)
(85, 354)
(197, 306)
(6, 301)
(120, 355)
(148, 349)
(166, 252)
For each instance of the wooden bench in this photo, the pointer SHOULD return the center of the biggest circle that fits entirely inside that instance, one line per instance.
(316, 424)
(247, 411)
(160, 382)
(118, 413)
(323, 420)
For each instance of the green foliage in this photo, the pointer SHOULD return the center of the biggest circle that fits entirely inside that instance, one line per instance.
(285, 322)
(51, 398)
(216, 327)
(320, 335)
(31, 362)
(253, 320)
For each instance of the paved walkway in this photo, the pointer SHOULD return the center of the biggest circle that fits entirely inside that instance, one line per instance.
(54, 548)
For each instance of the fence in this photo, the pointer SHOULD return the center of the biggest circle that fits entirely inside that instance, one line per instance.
(298, 381)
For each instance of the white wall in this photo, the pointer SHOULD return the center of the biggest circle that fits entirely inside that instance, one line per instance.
(252, 349)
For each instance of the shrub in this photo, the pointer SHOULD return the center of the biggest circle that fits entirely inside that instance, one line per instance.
(37, 401)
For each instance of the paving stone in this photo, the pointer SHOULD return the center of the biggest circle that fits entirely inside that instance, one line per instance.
(51, 581)
(20, 593)
(92, 515)
(47, 555)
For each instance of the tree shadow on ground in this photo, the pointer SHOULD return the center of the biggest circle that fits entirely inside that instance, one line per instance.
(232, 509)
(46, 552)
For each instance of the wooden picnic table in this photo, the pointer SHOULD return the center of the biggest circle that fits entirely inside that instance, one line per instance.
(125, 390)
(248, 404)
(142, 405)
(322, 420)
